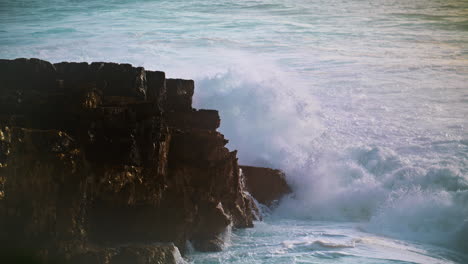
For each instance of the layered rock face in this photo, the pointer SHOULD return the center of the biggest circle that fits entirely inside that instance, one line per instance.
(266, 185)
(99, 161)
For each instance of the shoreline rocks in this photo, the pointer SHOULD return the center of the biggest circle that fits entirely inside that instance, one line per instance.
(264, 184)
(101, 155)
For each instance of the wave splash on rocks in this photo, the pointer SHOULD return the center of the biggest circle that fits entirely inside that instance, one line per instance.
(109, 163)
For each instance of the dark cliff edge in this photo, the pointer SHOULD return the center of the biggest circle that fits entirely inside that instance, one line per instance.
(108, 163)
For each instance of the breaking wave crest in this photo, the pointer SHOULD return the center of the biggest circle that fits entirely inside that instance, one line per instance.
(272, 119)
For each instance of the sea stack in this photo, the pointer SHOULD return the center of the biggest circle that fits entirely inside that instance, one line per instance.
(108, 163)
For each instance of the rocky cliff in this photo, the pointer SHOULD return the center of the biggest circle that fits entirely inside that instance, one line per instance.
(108, 163)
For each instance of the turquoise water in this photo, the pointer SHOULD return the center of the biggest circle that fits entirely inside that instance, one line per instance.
(288, 241)
(363, 103)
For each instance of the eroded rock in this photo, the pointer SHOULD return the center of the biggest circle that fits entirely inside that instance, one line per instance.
(96, 156)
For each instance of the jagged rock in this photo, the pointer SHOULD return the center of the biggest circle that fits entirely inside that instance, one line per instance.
(211, 223)
(142, 254)
(214, 244)
(94, 156)
(266, 185)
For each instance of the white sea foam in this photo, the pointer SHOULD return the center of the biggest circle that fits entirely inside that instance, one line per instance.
(320, 244)
(398, 194)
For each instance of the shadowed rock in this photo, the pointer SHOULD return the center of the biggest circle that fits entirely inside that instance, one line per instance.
(197, 119)
(97, 156)
(179, 94)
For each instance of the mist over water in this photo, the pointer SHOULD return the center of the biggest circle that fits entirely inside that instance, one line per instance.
(364, 104)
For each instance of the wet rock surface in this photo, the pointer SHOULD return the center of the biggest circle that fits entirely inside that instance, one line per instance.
(264, 184)
(100, 161)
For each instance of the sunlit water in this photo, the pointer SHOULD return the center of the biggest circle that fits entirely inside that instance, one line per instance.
(363, 103)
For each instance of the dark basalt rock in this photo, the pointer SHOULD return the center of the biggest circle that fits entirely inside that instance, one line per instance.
(142, 254)
(179, 94)
(214, 244)
(27, 74)
(196, 119)
(155, 253)
(96, 156)
(264, 184)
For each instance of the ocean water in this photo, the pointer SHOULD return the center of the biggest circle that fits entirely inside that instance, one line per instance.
(364, 104)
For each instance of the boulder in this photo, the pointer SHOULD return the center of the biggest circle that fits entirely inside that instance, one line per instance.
(264, 184)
